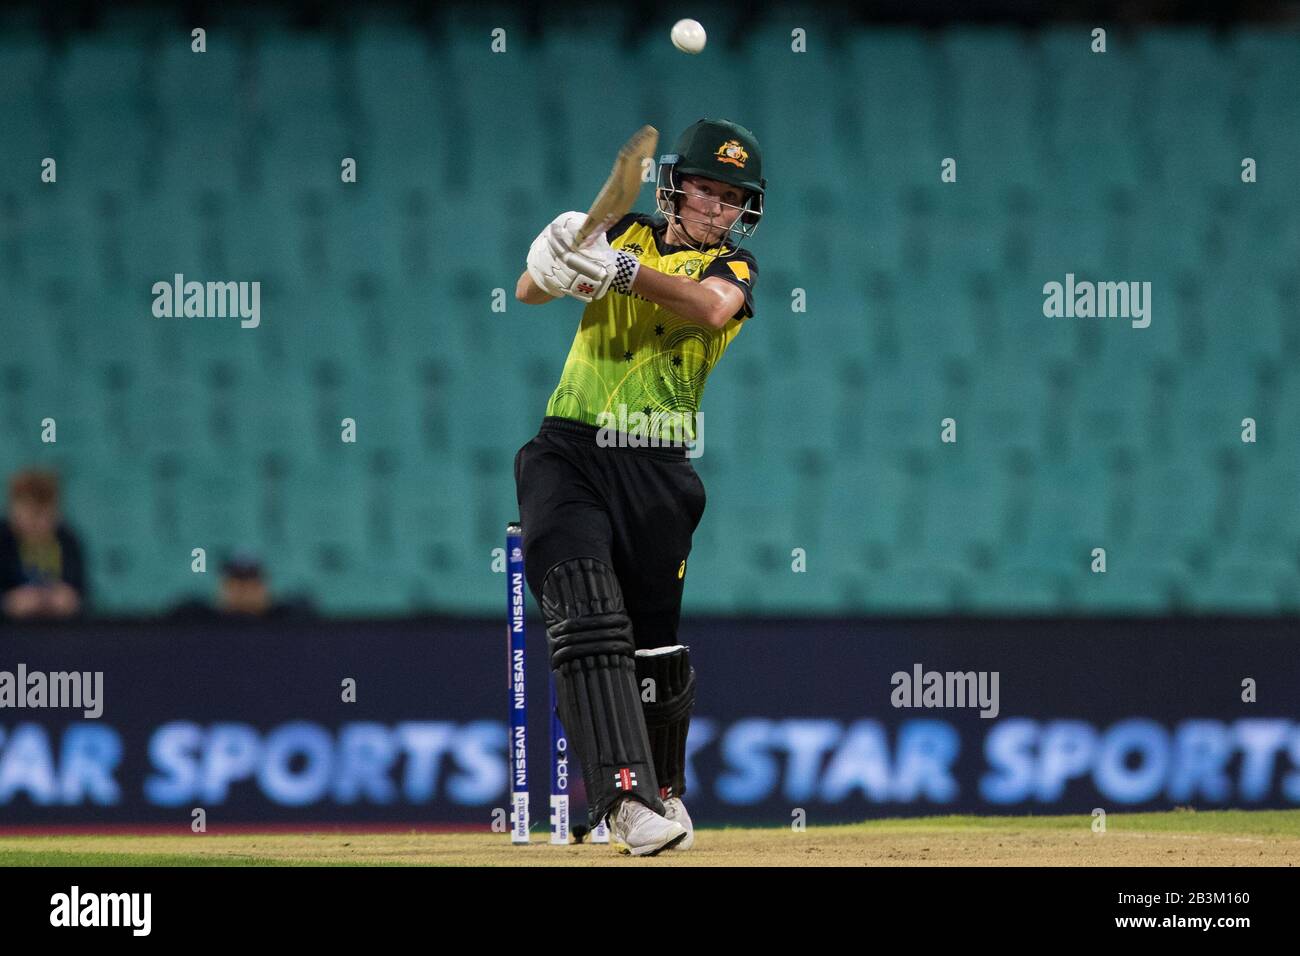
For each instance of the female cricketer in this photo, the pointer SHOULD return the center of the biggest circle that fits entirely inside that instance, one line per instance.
(607, 512)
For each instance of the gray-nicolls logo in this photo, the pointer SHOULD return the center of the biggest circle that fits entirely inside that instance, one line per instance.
(208, 300)
(76, 908)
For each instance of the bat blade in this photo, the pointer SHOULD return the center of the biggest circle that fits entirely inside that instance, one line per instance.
(615, 199)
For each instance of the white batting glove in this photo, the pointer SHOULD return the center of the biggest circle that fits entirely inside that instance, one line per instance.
(565, 226)
(591, 276)
(603, 265)
(549, 274)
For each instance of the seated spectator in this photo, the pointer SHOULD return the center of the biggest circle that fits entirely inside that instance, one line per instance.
(243, 594)
(42, 572)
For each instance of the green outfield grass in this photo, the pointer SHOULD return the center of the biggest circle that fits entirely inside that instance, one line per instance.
(1179, 837)
(1243, 822)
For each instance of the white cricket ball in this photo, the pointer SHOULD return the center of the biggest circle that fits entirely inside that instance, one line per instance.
(688, 36)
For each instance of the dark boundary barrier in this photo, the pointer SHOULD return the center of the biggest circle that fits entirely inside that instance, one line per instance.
(794, 722)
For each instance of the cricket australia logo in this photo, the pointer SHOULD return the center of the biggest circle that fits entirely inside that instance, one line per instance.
(732, 153)
(625, 779)
(690, 266)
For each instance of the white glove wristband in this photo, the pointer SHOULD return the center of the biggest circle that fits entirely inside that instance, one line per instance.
(626, 266)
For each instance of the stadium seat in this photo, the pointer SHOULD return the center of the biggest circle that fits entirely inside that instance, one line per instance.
(923, 301)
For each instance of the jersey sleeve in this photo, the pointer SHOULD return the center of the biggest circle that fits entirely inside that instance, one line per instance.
(740, 268)
(620, 227)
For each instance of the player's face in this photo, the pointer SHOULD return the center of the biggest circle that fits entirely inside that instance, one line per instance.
(709, 208)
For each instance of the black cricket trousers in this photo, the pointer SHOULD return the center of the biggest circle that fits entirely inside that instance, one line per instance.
(633, 508)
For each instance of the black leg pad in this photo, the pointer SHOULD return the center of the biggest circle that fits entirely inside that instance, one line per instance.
(667, 701)
(589, 636)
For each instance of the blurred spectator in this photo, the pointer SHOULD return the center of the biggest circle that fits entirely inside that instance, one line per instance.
(243, 593)
(42, 572)
(243, 589)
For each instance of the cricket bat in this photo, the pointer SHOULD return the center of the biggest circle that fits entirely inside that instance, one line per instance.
(616, 197)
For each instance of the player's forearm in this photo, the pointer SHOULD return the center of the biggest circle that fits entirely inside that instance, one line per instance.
(526, 291)
(686, 297)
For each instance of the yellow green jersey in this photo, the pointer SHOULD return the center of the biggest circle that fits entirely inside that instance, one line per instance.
(631, 355)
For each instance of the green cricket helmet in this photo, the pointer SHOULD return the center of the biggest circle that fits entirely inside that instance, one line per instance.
(721, 150)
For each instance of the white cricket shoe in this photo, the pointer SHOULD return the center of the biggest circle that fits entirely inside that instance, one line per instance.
(638, 830)
(675, 810)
